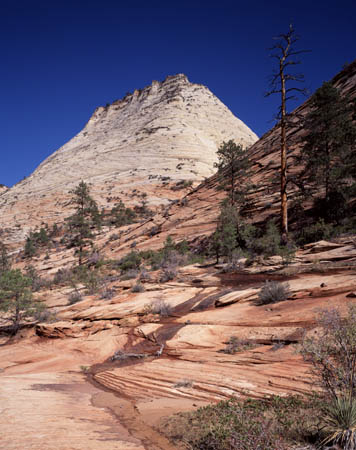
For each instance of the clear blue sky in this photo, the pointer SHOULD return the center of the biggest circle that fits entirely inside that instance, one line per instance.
(61, 59)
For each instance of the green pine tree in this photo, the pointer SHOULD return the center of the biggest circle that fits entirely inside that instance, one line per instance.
(16, 298)
(5, 263)
(83, 221)
(30, 247)
(328, 153)
(234, 171)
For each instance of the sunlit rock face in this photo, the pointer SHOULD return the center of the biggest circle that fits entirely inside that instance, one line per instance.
(166, 132)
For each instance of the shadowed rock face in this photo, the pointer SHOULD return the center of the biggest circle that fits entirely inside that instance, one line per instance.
(167, 131)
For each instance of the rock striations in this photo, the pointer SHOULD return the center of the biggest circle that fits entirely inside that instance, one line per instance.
(167, 131)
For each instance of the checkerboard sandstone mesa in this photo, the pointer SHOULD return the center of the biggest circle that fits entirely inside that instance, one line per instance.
(148, 141)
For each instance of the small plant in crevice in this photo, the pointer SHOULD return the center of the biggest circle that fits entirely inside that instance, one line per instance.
(236, 345)
(74, 297)
(129, 274)
(160, 307)
(144, 276)
(107, 293)
(183, 384)
(138, 287)
(168, 274)
(273, 292)
(277, 345)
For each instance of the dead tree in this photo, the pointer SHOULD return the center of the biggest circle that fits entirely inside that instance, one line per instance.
(284, 52)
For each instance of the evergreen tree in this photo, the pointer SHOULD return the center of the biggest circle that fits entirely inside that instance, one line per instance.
(30, 247)
(16, 298)
(5, 263)
(225, 238)
(328, 153)
(85, 218)
(234, 170)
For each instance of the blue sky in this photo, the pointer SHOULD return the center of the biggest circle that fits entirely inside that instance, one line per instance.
(60, 60)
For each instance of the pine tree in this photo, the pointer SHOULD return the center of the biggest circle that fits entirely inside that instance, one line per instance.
(16, 298)
(83, 221)
(5, 263)
(234, 170)
(30, 247)
(328, 153)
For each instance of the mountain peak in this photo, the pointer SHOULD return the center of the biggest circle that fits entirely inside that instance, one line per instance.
(149, 140)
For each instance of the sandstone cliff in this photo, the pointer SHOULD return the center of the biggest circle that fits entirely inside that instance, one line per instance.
(167, 131)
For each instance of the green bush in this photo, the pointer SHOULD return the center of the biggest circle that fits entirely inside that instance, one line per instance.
(120, 215)
(275, 423)
(130, 261)
(315, 232)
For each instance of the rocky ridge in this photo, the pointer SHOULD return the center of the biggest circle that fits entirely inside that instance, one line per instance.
(146, 142)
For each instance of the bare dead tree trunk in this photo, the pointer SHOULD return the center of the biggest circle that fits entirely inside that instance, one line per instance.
(283, 51)
(284, 201)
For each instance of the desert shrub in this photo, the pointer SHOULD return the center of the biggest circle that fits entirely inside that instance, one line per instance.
(277, 346)
(315, 232)
(171, 254)
(35, 240)
(270, 243)
(235, 345)
(332, 353)
(121, 215)
(274, 423)
(332, 356)
(74, 297)
(183, 383)
(168, 274)
(37, 282)
(129, 274)
(107, 294)
(138, 287)
(233, 235)
(63, 277)
(234, 264)
(94, 260)
(45, 316)
(272, 292)
(131, 261)
(144, 276)
(160, 307)
(114, 237)
(92, 282)
(155, 230)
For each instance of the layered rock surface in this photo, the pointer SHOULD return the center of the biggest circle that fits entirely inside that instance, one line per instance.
(162, 364)
(166, 132)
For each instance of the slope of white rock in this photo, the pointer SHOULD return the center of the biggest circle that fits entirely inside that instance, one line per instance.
(168, 130)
